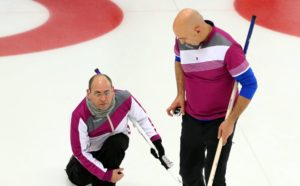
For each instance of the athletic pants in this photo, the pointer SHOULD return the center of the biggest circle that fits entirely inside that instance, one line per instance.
(198, 144)
(110, 155)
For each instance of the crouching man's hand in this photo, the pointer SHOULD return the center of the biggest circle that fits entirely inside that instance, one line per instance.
(161, 154)
(117, 175)
(160, 149)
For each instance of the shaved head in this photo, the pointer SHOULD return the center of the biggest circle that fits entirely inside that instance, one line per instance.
(101, 77)
(190, 27)
(187, 18)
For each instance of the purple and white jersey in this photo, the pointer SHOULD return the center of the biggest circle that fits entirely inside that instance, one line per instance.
(88, 133)
(209, 71)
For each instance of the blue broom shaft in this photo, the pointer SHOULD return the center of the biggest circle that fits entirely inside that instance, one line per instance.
(249, 33)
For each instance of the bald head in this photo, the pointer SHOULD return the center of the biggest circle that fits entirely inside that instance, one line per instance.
(189, 25)
(187, 18)
(99, 78)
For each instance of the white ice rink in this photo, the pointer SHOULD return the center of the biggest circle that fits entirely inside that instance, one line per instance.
(40, 90)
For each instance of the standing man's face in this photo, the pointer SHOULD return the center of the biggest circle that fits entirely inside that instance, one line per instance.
(188, 35)
(189, 27)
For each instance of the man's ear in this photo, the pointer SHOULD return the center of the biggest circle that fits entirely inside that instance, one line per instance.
(88, 93)
(113, 90)
(198, 29)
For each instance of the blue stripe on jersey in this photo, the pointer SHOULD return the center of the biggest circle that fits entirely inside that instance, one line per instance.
(177, 58)
(248, 82)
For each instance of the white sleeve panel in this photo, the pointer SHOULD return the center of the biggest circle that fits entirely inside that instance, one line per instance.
(138, 114)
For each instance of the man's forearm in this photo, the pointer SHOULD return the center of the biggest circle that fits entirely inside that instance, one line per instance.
(238, 108)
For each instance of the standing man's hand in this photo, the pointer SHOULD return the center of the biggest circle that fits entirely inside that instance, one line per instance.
(178, 102)
(117, 175)
(225, 130)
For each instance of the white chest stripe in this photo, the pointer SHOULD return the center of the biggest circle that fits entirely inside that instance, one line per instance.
(213, 53)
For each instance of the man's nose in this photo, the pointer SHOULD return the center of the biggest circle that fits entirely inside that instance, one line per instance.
(102, 97)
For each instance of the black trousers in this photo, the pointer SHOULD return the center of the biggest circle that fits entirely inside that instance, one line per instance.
(110, 155)
(198, 144)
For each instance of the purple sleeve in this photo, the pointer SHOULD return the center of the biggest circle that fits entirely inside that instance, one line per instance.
(239, 68)
(235, 60)
(177, 51)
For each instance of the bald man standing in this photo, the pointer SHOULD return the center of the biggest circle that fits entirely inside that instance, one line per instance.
(208, 61)
(100, 133)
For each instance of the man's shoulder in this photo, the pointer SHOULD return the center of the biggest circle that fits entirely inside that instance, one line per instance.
(122, 93)
(222, 37)
(81, 108)
(123, 99)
